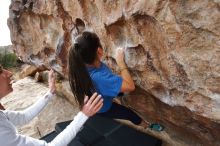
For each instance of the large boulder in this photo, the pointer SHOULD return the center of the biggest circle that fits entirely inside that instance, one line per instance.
(171, 48)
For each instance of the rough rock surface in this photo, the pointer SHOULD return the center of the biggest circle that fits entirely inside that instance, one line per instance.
(172, 49)
(27, 70)
(26, 92)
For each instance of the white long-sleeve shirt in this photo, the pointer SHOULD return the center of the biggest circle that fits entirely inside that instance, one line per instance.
(9, 119)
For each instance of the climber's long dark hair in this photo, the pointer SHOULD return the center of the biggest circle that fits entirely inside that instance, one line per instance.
(84, 51)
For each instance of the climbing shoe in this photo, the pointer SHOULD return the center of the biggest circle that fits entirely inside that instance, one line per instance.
(156, 127)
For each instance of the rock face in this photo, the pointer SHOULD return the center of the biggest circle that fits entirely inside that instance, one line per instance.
(172, 49)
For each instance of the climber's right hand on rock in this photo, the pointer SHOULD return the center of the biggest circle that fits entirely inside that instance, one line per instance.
(93, 105)
(120, 58)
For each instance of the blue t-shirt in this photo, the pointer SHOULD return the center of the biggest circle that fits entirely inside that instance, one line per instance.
(106, 83)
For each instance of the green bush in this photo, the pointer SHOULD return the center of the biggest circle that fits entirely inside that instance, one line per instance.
(8, 60)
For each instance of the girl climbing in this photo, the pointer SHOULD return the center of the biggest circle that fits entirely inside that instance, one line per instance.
(88, 74)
